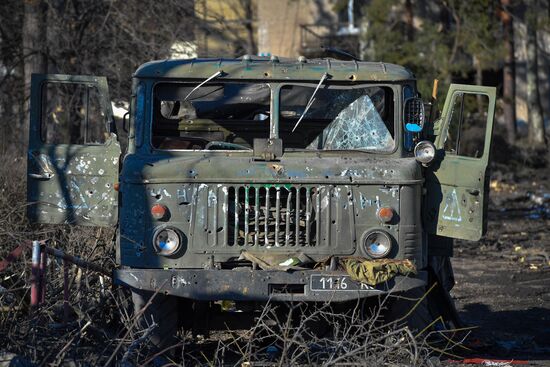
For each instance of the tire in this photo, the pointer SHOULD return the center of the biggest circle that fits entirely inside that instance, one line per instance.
(164, 311)
(437, 304)
(409, 310)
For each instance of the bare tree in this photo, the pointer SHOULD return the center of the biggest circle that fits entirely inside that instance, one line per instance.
(248, 7)
(34, 52)
(230, 24)
(537, 137)
(409, 19)
(11, 70)
(509, 71)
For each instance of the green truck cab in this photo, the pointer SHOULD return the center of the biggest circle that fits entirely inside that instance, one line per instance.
(251, 179)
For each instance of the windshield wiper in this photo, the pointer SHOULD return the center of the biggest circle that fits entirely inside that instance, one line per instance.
(213, 76)
(311, 100)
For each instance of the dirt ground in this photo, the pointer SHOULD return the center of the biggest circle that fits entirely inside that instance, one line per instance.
(503, 282)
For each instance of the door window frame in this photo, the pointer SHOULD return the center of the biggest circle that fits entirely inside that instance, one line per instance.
(445, 119)
(36, 113)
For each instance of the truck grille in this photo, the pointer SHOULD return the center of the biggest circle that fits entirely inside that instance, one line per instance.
(269, 216)
(272, 216)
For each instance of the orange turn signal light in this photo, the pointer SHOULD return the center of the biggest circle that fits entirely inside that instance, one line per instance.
(116, 186)
(385, 214)
(158, 211)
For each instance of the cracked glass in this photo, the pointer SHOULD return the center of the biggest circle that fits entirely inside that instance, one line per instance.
(358, 118)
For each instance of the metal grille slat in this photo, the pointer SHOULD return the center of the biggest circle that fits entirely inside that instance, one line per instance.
(287, 218)
(308, 217)
(318, 216)
(246, 214)
(266, 219)
(225, 211)
(236, 210)
(256, 216)
(214, 204)
(277, 214)
(328, 210)
(297, 224)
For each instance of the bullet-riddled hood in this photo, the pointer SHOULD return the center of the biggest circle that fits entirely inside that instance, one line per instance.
(239, 169)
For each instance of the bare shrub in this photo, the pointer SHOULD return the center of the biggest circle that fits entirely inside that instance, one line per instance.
(98, 311)
(101, 329)
(315, 334)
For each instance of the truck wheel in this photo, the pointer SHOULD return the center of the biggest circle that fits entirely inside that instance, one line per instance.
(164, 311)
(399, 307)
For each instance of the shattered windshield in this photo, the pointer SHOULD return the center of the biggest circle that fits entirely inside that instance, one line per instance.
(215, 116)
(360, 118)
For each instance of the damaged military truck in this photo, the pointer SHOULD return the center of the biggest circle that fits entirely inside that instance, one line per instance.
(257, 179)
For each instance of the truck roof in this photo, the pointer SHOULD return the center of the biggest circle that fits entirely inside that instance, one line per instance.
(273, 68)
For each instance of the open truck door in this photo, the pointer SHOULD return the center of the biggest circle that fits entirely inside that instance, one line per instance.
(74, 155)
(457, 182)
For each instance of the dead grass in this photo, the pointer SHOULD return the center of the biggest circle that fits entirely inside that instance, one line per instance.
(96, 307)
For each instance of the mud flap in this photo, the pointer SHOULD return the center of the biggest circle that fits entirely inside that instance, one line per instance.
(162, 310)
(419, 310)
(440, 273)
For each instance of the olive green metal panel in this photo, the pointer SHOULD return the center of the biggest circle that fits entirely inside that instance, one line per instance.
(457, 186)
(260, 68)
(72, 183)
(207, 198)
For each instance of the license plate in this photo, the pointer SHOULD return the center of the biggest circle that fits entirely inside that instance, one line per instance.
(319, 282)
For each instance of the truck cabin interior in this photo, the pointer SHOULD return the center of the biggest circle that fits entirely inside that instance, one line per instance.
(229, 115)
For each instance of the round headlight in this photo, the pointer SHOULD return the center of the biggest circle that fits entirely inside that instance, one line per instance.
(378, 244)
(424, 151)
(166, 241)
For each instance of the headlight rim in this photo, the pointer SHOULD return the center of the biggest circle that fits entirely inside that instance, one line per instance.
(180, 236)
(389, 237)
(418, 146)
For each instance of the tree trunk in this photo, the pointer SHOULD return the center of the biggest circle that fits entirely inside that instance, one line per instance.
(34, 51)
(479, 81)
(509, 72)
(537, 138)
(409, 19)
(249, 15)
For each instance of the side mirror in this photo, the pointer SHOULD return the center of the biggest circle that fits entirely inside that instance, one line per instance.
(125, 121)
(414, 115)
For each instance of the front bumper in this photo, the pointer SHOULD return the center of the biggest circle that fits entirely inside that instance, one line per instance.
(259, 285)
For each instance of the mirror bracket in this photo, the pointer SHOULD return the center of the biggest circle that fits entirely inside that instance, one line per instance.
(268, 149)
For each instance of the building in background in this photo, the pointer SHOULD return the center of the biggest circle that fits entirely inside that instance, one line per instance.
(226, 28)
(286, 28)
(291, 28)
